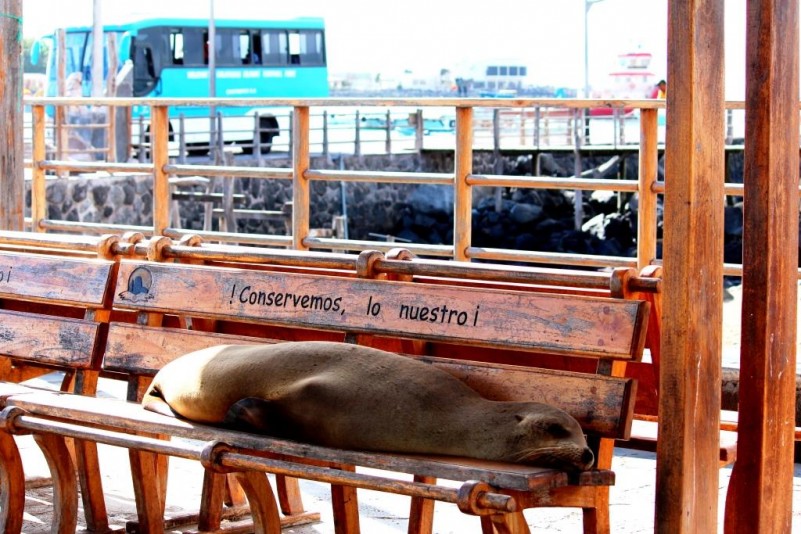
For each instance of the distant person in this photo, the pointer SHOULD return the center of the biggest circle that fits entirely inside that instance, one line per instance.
(661, 89)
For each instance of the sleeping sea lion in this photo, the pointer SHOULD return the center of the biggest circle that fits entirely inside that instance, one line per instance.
(353, 397)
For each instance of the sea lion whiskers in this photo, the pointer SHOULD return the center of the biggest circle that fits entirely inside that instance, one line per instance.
(556, 456)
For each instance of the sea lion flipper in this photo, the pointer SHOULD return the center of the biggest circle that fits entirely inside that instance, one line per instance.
(251, 414)
(153, 402)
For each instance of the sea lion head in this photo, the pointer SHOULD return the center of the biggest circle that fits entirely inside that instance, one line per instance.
(549, 437)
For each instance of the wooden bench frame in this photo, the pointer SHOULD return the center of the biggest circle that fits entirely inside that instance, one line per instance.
(14, 420)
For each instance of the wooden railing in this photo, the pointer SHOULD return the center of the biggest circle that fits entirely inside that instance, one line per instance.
(302, 173)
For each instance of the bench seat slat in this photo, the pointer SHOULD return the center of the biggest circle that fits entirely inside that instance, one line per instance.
(555, 324)
(116, 414)
(48, 340)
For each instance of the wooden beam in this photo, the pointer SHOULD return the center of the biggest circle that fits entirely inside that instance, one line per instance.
(301, 188)
(761, 487)
(463, 192)
(12, 181)
(38, 180)
(689, 402)
(159, 149)
(648, 174)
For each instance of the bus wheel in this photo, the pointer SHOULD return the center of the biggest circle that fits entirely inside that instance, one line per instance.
(268, 129)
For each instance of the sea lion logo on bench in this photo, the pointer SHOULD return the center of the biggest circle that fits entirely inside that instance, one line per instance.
(139, 284)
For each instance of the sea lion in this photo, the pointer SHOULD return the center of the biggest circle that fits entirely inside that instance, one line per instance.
(353, 397)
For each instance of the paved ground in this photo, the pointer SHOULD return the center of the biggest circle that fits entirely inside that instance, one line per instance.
(631, 500)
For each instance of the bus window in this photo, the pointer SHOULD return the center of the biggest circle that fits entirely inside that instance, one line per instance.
(294, 48)
(274, 48)
(255, 52)
(311, 48)
(177, 47)
(194, 47)
(244, 48)
(76, 45)
(227, 48)
(249, 48)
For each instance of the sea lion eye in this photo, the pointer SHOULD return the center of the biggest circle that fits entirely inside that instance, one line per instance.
(557, 430)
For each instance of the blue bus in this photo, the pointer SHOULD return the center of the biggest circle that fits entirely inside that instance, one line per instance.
(169, 58)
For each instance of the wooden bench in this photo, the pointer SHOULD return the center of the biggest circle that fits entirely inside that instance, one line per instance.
(235, 305)
(54, 312)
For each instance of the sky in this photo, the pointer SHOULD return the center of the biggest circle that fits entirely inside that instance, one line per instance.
(424, 36)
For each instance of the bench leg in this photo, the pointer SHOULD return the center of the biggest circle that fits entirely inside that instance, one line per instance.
(147, 491)
(12, 486)
(65, 487)
(289, 498)
(94, 504)
(421, 514)
(514, 523)
(234, 493)
(263, 506)
(596, 520)
(346, 507)
(211, 501)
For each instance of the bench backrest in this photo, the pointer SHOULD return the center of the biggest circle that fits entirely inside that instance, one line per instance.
(588, 327)
(558, 324)
(53, 311)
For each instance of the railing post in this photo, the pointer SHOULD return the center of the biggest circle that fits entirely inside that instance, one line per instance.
(301, 195)
(61, 80)
(182, 138)
(463, 192)
(325, 134)
(159, 150)
(388, 145)
(496, 130)
(257, 139)
(357, 142)
(648, 169)
(729, 126)
(291, 130)
(111, 91)
(38, 186)
(418, 131)
(142, 146)
(578, 194)
(536, 134)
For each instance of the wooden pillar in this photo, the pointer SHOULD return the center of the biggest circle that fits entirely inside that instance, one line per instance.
(761, 488)
(301, 193)
(12, 178)
(690, 371)
(647, 204)
(463, 194)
